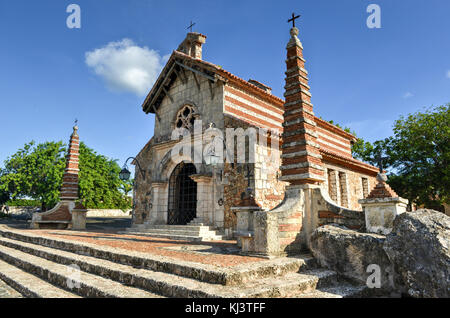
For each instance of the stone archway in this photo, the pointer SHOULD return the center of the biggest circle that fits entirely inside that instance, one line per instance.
(182, 200)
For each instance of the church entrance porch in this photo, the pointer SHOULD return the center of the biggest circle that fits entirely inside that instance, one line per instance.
(182, 205)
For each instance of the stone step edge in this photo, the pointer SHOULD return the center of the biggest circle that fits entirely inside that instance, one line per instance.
(84, 284)
(194, 227)
(29, 285)
(195, 232)
(124, 274)
(203, 272)
(170, 285)
(176, 232)
(344, 290)
(178, 237)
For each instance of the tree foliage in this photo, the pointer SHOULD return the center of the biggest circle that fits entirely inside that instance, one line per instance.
(100, 184)
(35, 171)
(418, 156)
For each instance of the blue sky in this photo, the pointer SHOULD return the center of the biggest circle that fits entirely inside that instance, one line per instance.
(359, 77)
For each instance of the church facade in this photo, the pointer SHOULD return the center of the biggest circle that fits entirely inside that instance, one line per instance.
(192, 95)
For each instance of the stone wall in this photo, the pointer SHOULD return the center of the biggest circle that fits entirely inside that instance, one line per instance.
(142, 187)
(111, 213)
(27, 211)
(352, 180)
(209, 109)
(268, 190)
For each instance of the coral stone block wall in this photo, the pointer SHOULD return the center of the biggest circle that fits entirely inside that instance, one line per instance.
(345, 187)
(142, 195)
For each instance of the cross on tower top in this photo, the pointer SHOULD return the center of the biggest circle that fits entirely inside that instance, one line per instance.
(294, 17)
(190, 27)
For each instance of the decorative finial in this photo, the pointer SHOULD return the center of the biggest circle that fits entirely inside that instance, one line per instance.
(75, 128)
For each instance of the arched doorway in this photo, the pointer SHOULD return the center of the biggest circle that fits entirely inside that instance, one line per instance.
(182, 205)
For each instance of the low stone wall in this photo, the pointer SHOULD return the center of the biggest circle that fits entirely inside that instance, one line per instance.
(28, 211)
(18, 210)
(107, 213)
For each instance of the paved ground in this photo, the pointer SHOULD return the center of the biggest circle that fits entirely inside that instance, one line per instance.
(104, 231)
(218, 253)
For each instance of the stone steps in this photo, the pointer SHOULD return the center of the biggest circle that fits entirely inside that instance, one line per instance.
(195, 233)
(236, 275)
(189, 237)
(340, 291)
(35, 257)
(29, 285)
(80, 282)
(38, 266)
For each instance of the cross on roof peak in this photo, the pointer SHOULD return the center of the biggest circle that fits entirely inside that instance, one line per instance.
(294, 17)
(190, 26)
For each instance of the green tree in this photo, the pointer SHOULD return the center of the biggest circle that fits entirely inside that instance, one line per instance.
(420, 155)
(100, 185)
(36, 171)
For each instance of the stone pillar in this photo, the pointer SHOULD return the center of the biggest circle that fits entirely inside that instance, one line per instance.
(79, 217)
(343, 189)
(205, 207)
(158, 212)
(245, 227)
(381, 207)
(333, 185)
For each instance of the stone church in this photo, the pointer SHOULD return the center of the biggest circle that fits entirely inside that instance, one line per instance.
(308, 149)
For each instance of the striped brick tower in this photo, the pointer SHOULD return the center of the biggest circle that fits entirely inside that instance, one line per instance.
(69, 188)
(301, 159)
(67, 214)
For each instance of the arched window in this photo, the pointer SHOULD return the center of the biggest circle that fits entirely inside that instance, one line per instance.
(185, 117)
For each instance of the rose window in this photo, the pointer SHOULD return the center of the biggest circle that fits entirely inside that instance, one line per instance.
(185, 117)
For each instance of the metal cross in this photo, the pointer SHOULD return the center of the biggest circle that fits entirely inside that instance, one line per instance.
(379, 159)
(190, 27)
(76, 121)
(294, 17)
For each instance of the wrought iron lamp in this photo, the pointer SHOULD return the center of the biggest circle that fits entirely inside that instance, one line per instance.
(125, 174)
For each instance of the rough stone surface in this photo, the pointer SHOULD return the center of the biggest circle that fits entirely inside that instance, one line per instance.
(7, 292)
(418, 246)
(39, 268)
(350, 253)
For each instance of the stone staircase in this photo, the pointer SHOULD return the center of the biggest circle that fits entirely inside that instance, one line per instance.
(38, 266)
(191, 232)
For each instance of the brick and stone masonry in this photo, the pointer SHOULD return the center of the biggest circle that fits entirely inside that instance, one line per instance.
(67, 212)
(301, 159)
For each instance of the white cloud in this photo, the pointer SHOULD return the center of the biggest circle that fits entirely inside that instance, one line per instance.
(448, 74)
(124, 66)
(408, 95)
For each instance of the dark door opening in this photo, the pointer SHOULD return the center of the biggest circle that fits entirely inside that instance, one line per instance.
(182, 207)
